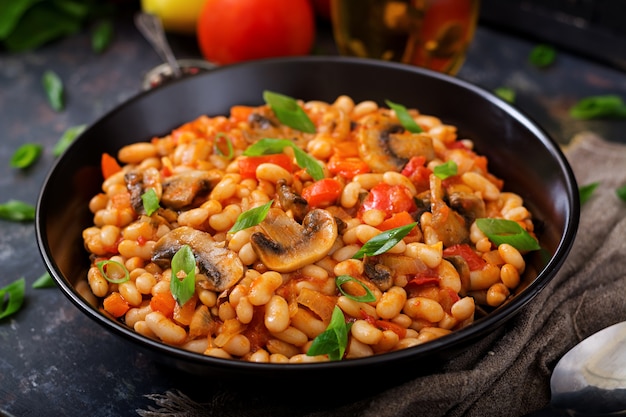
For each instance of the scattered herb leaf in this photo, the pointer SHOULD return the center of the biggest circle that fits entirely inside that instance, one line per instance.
(150, 201)
(585, 191)
(183, 263)
(12, 297)
(446, 170)
(367, 298)
(405, 118)
(334, 340)
(26, 155)
(542, 56)
(384, 241)
(289, 112)
(17, 211)
(505, 93)
(67, 138)
(110, 269)
(598, 107)
(251, 217)
(621, 192)
(229, 146)
(102, 36)
(501, 231)
(53, 86)
(267, 146)
(44, 281)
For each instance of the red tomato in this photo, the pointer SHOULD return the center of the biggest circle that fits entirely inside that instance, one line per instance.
(238, 30)
(474, 262)
(347, 167)
(418, 173)
(388, 198)
(249, 164)
(322, 193)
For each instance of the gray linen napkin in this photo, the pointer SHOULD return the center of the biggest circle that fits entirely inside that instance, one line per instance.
(508, 373)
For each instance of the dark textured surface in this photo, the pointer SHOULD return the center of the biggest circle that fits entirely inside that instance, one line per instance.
(53, 360)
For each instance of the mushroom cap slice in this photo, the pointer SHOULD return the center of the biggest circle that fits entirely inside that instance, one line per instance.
(284, 245)
(222, 267)
(180, 190)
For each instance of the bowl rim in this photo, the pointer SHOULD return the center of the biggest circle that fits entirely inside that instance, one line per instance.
(452, 340)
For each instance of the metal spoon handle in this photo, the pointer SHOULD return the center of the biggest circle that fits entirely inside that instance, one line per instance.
(152, 29)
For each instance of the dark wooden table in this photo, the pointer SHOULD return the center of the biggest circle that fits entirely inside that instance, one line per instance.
(54, 360)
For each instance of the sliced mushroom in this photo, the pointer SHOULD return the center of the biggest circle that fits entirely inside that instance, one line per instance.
(469, 205)
(385, 146)
(289, 200)
(222, 267)
(137, 182)
(180, 190)
(285, 246)
(446, 224)
(381, 275)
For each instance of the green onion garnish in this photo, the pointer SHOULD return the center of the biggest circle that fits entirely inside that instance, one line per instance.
(384, 241)
(621, 192)
(17, 211)
(26, 155)
(506, 94)
(367, 298)
(251, 217)
(501, 231)
(150, 201)
(289, 112)
(110, 269)
(542, 56)
(102, 36)
(334, 340)
(446, 170)
(597, 107)
(12, 297)
(68, 137)
(268, 146)
(44, 281)
(53, 87)
(405, 118)
(229, 145)
(586, 191)
(183, 262)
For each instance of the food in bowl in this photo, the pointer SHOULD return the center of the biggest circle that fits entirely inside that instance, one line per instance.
(303, 231)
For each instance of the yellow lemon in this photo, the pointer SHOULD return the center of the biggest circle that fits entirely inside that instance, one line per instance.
(177, 16)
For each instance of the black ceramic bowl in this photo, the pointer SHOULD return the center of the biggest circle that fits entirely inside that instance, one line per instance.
(519, 152)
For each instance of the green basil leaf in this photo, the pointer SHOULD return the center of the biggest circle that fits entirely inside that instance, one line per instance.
(102, 36)
(67, 138)
(26, 155)
(501, 231)
(12, 297)
(268, 146)
(446, 170)
(10, 14)
(44, 281)
(251, 217)
(183, 262)
(334, 340)
(405, 118)
(542, 56)
(150, 201)
(110, 270)
(585, 191)
(289, 112)
(17, 211)
(367, 298)
(229, 144)
(621, 192)
(597, 107)
(54, 89)
(506, 94)
(384, 241)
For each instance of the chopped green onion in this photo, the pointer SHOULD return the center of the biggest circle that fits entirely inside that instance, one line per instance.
(183, 262)
(53, 86)
(501, 231)
(251, 217)
(384, 241)
(446, 170)
(44, 281)
(506, 94)
(289, 112)
(267, 146)
(621, 192)
(15, 294)
(110, 270)
(102, 36)
(68, 137)
(367, 298)
(585, 191)
(26, 155)
(334, 340)
(17, 211)
(542, 56)
(229, 144)
(597, 107)
(150, 201)
(405, 118)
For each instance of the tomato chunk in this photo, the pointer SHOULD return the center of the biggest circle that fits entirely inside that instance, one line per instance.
(347, 167)
(474, 262)
(109, 165)
(322, 193)
(388, 198)
(249, 164)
